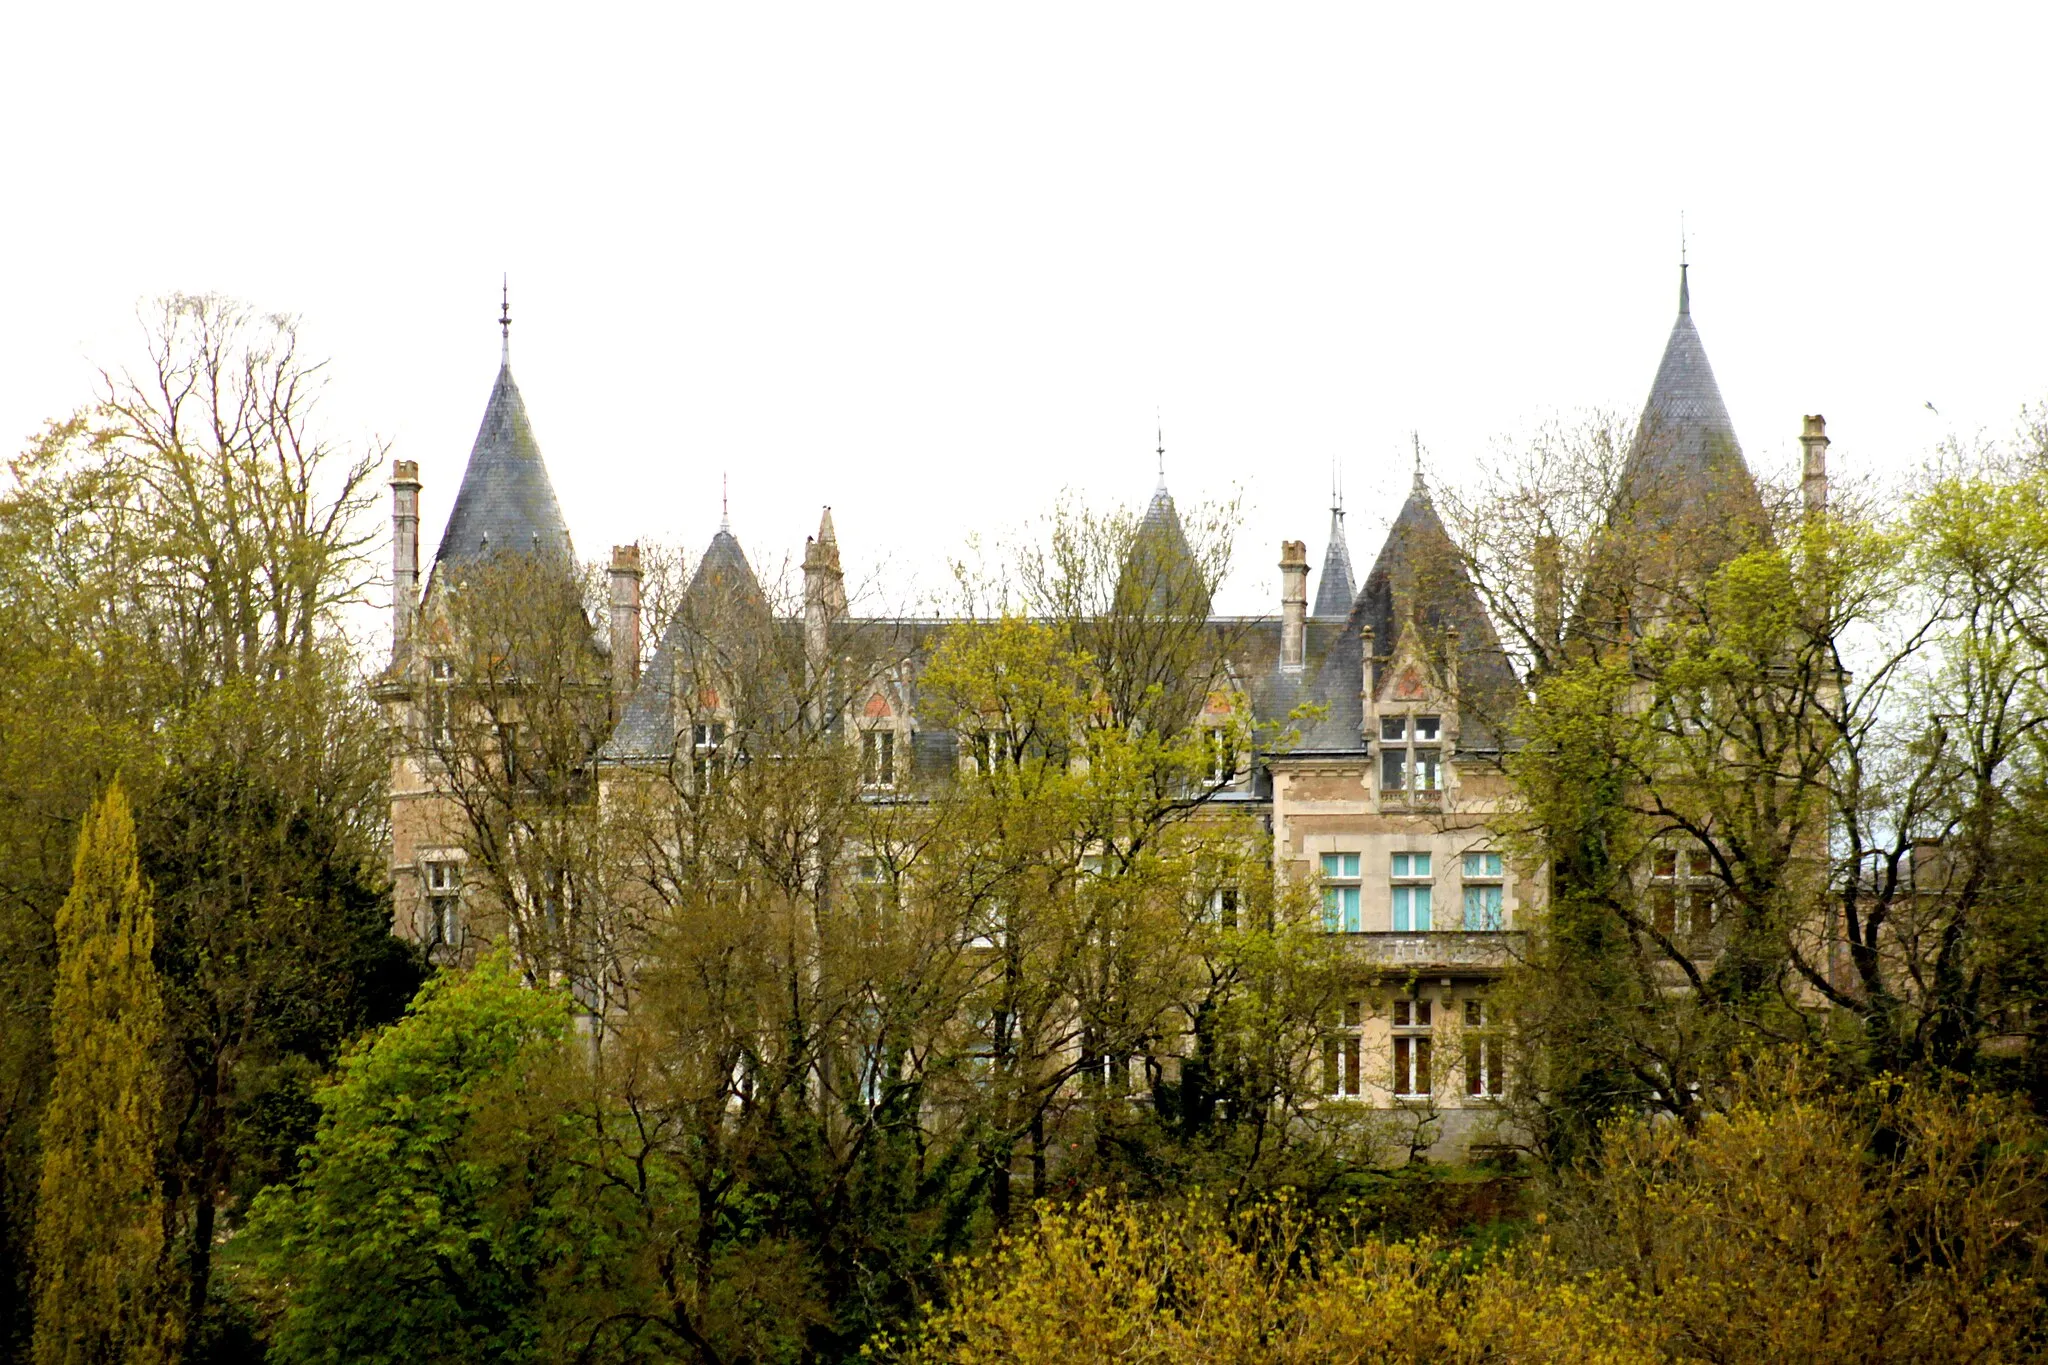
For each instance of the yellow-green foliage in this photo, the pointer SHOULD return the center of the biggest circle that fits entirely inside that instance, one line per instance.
(1105, 1282)
(1904, 1227)
(99, 1223)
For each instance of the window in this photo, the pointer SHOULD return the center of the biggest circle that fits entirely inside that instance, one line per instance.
(1412, 1028)
(440, 711)
(1682, 885)
(992, 749)
(1411, 753)
(1340, 893)
(878, 758)
(444, 903)
(1485, 1070)
(1223, 907)
(1340, 1054)
(707, 752)
(1222, 755)
(1411, 877)
(1482, 877)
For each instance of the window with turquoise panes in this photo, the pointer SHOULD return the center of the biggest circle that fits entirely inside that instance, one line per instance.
(1412, 886)
(1340, 893)
(1482, 875)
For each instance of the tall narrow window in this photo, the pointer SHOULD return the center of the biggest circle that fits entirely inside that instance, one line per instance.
(440, 707)
(1482, 876)
(1426, 765)
(707, 752)
(1485, 1073)
(1393, 753)
(444, 903)
(992, 749)
(878, 758)
(1412, 885)
(1683, 894)
(1221, 754)
(1341, 1079)
(1340, 893)
(1412, 1030)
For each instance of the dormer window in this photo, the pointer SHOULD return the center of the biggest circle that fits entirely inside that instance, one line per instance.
(878, 759)
(1221, 754)
(1411, 753)
(707, 752)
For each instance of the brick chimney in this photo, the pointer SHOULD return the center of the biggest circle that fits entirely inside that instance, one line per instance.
(1814, 437)
(405, 554)
(625, 622)
(1293, 603)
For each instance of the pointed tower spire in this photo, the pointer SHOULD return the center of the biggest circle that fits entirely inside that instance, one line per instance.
(506, 503)
(1335, 587)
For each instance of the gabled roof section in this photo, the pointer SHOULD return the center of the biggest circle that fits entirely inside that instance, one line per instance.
(722, 605)
(506, 503)
(1686, 457)
(1419, 579)
(1334, 586)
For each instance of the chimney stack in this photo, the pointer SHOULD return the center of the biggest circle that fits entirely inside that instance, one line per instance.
(1814, 437)
(625, 621)
(405, 554)
(1293, 603)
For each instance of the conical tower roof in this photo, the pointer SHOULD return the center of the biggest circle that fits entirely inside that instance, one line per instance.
(1160, 575)
(1334, 586)
(1686, 458)
(506, 503)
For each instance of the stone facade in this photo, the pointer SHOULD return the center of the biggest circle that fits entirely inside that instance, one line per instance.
(1384, 803)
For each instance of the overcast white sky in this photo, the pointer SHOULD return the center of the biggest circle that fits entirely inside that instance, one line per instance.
(932, 264)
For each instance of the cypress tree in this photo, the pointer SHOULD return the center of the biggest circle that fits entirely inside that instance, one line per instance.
(99, 1219)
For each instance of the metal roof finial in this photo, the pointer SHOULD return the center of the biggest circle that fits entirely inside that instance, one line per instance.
(1416, 437)
(1161, 428)
(724, 503)
(505, 319)
(1684, 286)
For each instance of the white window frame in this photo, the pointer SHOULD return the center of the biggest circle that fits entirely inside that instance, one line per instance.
(1343, 890)
(440, 703)
(1414, 1033)
(1485, 1067)
(878, 758)
(1682, 882)
(1343, 1062)
(1412, 754)
(1414, 892)
(708, 742)
(441, 892)
(1485, 872)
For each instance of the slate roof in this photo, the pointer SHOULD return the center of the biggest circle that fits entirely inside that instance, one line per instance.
(723, 586)
(1161, 566)
(1418, 576)
(1334, 586)
(506, 502)
(1686, 455)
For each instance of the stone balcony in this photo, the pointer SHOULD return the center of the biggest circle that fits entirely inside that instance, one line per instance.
(1457, 950)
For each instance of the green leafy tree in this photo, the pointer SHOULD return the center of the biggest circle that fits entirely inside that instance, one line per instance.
(429, 1209)
(100, 1221)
